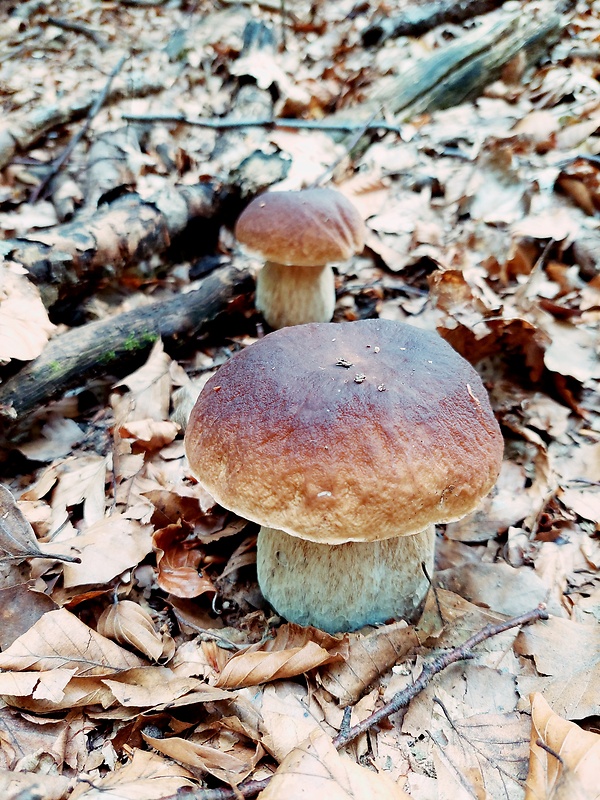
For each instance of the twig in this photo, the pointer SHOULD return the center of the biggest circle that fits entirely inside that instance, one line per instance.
(59, 162)
(398, 701)
(224, 123)
(77, 27)
(432, 668)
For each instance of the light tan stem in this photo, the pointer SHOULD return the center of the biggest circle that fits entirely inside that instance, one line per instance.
(344, 587)
(291, 295)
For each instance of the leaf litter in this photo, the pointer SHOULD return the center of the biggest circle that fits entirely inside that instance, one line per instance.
(155, 664)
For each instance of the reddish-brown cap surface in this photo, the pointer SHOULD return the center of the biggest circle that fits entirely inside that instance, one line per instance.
(354, 431)
(309, 228)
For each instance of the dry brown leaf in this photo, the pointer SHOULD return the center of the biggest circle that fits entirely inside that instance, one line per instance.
(146, 777)
(128, 623)
(178, 562)
(315, 769)
(251, 669)
(58, 437)
(149, 390)
(106, 549)
(368, 658)
(223, 765)
(78, 692)
(60, 639)
(149, 434)
(24, 324)
(293, 651)
(571, 770)
(484, 756)
(17, 539)
(574, 671)
(150, 686)
(20, 785)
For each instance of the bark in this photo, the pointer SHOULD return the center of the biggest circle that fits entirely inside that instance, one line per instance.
(72, 258)
(418, 19)
(461, 70)
(98, 347)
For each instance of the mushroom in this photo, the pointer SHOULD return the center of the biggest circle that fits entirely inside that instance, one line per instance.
(347, 443)
(299, 234)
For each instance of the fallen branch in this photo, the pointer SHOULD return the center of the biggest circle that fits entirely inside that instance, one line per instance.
(59, 162)
(77, 27)
(227, 123)
(415, 20)
(98, 347)
(400, 700)
(68, 259)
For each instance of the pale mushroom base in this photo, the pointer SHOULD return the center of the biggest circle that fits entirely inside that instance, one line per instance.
(291, 295)
(344, 587)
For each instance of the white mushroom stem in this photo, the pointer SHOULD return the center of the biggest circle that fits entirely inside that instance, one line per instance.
(343, 587)
(291, 295)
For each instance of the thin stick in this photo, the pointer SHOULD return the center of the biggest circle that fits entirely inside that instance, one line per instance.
(77, 27)
(224, 123)
(432, 668)
(398, 701)
(59, 162)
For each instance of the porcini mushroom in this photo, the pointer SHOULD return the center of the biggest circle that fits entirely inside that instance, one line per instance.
(299, 234)
(347, 443)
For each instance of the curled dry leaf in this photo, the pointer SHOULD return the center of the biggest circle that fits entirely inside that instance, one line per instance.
(60, 639)
(24, 324)
(316, 769)
(128, 623)
(223, 765)
(148, 776)
(178, 563)
(568, 769)
(150, 686)
(368, 658)
(293, 651)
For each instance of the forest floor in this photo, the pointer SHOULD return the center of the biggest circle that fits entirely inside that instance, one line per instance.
(153, 664)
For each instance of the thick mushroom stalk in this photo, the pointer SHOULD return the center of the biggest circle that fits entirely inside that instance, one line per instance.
(295, 295)
(347, 586)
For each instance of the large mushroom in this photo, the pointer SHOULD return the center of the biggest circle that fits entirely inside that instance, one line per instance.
(347, 443)
(299, 235)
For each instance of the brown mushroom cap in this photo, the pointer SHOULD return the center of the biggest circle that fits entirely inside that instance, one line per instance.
(355, 431)
(309, 228)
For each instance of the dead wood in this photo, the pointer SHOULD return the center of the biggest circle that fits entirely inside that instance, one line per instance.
(96, 348)
(461, 70)
(72, 258)
(416, 20)
(107, 163)
(20, 133)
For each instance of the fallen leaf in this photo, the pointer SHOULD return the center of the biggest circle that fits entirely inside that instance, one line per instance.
(128, 623)
(24, 324)
(19, 785)
(178, 561)
(368, 658)
(147, 776)
(568, 770)
(315, 769)
(60, 639)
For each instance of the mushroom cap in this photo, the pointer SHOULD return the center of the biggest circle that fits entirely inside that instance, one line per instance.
(337, 432)
(309, 228)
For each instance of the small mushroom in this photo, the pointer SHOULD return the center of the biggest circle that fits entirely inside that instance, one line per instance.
(299, 234)
(347, 478)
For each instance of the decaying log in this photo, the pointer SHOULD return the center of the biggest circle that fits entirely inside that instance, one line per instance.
(98, 347)
(418, 19)
(461, 70)
(69, 258)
